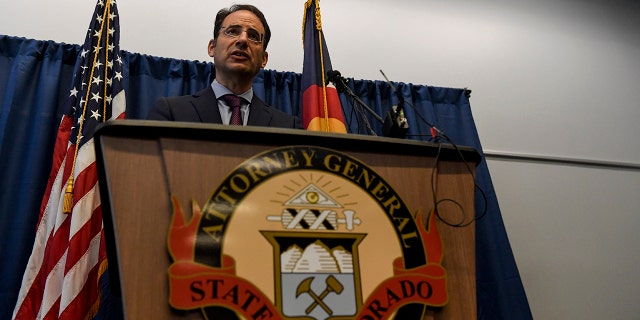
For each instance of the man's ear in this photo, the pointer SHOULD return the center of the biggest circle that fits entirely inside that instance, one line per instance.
(265, 58)
(211, 46)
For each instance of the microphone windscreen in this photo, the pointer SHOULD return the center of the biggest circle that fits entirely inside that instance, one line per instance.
(333, 75)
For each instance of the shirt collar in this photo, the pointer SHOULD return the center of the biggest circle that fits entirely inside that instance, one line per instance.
(220, 90)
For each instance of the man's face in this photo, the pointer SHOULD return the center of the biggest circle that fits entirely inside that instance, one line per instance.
(236, 53)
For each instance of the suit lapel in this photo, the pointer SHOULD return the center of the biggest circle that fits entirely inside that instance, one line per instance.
(259, 113)
(206, 106)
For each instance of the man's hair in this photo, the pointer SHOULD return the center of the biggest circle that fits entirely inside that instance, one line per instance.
(223, 13)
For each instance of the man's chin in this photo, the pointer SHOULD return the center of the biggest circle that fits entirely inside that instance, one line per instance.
(244, 70)
(238, 73)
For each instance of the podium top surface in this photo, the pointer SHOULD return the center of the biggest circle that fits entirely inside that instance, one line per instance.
(146, 129)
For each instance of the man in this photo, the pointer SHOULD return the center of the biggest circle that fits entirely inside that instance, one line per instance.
(240, 38)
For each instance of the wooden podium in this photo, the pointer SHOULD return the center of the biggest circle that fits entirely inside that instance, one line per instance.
(142, 163)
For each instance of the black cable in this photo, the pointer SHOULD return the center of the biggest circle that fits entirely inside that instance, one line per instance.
(360, 111)
(475, 185)
(437, 202)
(350, 119)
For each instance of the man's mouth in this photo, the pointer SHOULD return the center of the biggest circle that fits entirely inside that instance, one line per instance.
(240, 54)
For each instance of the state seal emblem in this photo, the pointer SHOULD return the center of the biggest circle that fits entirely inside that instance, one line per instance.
(304, 232)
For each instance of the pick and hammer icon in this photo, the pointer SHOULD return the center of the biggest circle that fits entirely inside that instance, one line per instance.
(333, 285)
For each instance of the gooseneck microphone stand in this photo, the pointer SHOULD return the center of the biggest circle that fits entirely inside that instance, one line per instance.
(336, 78)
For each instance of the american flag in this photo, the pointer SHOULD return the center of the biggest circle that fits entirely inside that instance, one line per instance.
(68, 256)
(321, 109)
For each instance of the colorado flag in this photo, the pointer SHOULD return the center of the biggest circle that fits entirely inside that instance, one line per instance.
(321, 109)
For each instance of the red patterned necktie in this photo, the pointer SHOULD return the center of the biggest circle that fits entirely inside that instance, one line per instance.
(234, 102)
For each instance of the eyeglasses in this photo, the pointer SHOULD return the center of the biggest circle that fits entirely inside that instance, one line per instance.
(235, 31)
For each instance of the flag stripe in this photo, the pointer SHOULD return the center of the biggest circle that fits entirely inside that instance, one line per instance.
(86, 207)
(51, 293)
(79, 279)
(53, 312)
(80, 305)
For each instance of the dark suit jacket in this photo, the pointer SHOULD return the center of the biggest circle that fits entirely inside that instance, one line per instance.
(202, 106)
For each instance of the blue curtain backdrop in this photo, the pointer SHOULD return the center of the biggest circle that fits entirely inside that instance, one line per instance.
(35, 79)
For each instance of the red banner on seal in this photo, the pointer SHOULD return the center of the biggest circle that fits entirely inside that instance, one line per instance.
(194, 286)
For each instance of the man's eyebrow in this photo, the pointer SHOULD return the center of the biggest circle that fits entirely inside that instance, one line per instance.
(241, 26)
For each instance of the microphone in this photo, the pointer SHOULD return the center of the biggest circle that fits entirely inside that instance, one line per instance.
(336, 78)
(395, 123)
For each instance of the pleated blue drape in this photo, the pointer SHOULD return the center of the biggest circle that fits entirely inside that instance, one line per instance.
(35, 79)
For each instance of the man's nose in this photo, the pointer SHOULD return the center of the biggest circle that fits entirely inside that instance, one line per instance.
(242, 39)
(244, 35)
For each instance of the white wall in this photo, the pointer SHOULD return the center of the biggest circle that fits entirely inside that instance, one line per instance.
(552, 78)
(574, 235)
